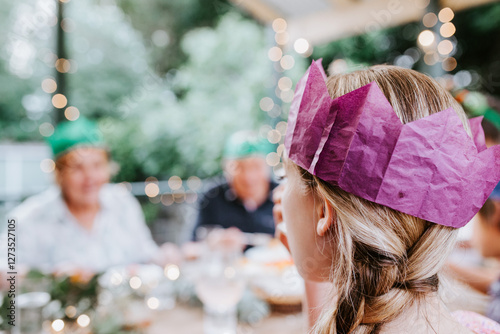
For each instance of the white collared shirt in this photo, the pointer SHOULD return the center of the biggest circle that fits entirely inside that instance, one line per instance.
(48, 236)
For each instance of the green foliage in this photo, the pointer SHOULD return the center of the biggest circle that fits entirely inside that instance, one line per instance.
(176, 18)
(223, 79)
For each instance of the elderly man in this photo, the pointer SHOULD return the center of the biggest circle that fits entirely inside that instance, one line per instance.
(244, 200)
(82, 222)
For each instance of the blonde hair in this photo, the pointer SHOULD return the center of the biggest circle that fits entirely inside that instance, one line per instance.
(384, 261)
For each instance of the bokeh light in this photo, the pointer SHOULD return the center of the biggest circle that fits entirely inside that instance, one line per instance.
(70, 311)
(175, 182)
(83, 320)
(153, 303)
(301, 46)
(152, 190)
(281, 38)
(449, 64)
(279, 25)
(338, 66)
(167, 199)
(63, 65)
(285, 83)
(47, 165)
(72, 113)
(429, 20)
(273, 159)
(275, 53)
(46, 129)
(58, 325)
(445, 47)
(426, 38)
(59, 101)
(49, 85)
(446, 15)
(135, 282)
(281, 127)
(116, 279)
(194, 183)
(172, 272)
(287, 62)
(160, 38)
(431, 58)
(287, 96)
(266, 104)
(68, 25)
(447, 29)
(274, 136)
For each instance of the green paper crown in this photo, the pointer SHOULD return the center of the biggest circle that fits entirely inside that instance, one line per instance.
(244, 144)
(69, 135)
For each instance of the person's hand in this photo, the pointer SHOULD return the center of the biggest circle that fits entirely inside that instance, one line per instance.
(280, 232)
(229, 239)
(168, 253)
(192, 250)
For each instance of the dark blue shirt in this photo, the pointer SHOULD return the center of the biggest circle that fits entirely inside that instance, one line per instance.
(220, 206)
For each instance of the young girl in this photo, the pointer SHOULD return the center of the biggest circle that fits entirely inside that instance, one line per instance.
(382, 264)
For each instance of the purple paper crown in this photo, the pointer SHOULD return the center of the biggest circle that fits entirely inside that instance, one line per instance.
(429, 168)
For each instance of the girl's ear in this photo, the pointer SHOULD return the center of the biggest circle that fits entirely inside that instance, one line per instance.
(326, 219)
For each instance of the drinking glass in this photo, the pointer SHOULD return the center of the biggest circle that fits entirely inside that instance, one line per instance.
(220, 286)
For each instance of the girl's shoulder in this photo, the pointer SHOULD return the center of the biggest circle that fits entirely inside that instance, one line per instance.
(477, 323)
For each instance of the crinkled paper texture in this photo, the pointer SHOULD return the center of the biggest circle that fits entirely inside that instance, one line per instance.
(429, 168)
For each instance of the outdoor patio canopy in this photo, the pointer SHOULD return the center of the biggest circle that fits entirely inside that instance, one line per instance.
(322, 21)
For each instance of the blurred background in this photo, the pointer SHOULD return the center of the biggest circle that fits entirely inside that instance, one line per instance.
(168, 80)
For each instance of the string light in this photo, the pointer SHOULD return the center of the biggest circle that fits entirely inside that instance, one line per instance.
(83, 320)
(266, 104)
(153, 303)
(135, 282)
(70, 311)
(175, 182)
(167, 199)
(47, 165)
(63, 65)
(447, 29)
(46, 129)
(446, 15)
(287, 62)
(431, 58)
(301, 46)
(279, 25)
(281, 127)
(194, 183)
(152, 190)
(272, 159)
(274, 136)
(58, 325)
(426, 38)
(72, 113)
(49, 85)
(59, 101)
(429, 20)
(172, 272)
(449, 64)
(445, 47)
(275, 53)
(281, 38)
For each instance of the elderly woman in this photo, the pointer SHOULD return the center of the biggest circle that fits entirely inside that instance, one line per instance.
(83, 221)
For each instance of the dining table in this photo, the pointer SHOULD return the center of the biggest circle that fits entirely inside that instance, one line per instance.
(185, 319)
